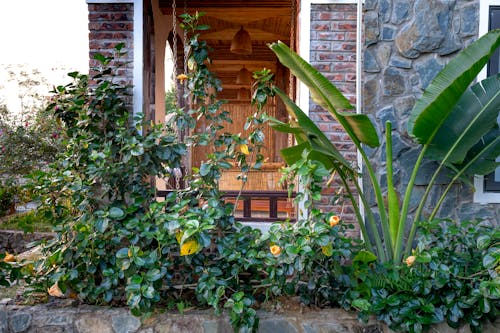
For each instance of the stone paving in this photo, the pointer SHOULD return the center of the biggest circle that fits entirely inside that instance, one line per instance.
(91, 319)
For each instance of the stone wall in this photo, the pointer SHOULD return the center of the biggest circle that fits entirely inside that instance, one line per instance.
(110, 24)
(333, 53)
(407, 42)
(15, 242)
(86, 319)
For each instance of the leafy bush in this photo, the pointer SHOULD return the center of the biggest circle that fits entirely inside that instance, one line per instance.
(28, 222)
(7, 196)
(29, 143)
(117, 245)
(452, 275)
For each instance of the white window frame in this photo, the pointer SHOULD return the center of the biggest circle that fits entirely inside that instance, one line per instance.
(480, 196)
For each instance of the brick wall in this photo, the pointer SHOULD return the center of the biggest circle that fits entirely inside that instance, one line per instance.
(333, 53)
(110, 24)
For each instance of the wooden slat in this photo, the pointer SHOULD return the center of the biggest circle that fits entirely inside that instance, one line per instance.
(255, 201)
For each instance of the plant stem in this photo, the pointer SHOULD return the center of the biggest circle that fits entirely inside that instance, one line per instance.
(371, 218)
(392, 198)
(404, 209)
(457, 175)
(378, 193)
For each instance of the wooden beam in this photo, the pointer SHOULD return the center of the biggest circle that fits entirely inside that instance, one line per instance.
(236, 65)
(255, 34)
(244, 15)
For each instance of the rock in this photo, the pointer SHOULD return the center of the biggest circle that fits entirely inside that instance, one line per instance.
(370, 4)
(324, 328)
(385, 10)
(400, 62)
(217, 326)
(371, 87)
(179, 324)
(3, 322)
(387, 114)
(393, 82)
(20, 322)
(125, 323)
(274, 326)
(388, 33)
(469, 20)
(400, 11)
(427, 70)
(92, 323)
(450, 45)
(403, 105)
(384, 53)
(428, 30)
(370, 62)
(426, 171)
(372, 30)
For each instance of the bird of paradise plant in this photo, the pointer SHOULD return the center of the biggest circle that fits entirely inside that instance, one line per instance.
(455, 124)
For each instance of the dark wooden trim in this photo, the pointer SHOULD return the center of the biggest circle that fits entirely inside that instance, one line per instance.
(247, 196)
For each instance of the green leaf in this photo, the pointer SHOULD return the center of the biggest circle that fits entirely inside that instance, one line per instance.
(122, 253)
(318, 141)
(472, 118)
(324, 93)
(365, 257)
(237, 307)
(437, 102)
(361, 304)
(102, 224)
(489, 261)
(149, 292)
(205, 169)
(116, 213)
(137, 150)
(481, 159)
(483, 242)
(153, 274)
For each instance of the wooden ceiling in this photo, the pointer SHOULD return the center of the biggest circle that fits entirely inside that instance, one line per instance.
(266, 21)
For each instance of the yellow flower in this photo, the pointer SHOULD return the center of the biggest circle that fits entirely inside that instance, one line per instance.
(178, 236)
(189, 247)
(244, 149)
(55, 291)
(182, 77)
(410, 260)
(334, 220)
(275, 250)
(9, 257)
(327, 250)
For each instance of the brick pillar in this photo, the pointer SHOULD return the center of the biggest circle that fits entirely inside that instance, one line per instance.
(333, 53)
(110, 24)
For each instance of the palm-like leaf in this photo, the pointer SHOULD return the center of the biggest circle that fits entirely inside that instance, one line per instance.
(323, 92)
(437, 102)
(473, 116)
(481, 159)
(315, 140)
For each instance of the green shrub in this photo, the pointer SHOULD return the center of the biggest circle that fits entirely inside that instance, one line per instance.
(28, 222)
(452, 275)
(7, 199)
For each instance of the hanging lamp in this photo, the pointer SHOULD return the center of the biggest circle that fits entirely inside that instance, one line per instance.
(241, 43)
(244, 76)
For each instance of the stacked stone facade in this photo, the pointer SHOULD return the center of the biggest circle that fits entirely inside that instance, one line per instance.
(109, 25)
(333, 53)
(407, 42)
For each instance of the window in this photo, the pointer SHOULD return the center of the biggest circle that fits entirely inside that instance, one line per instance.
(488, 187)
